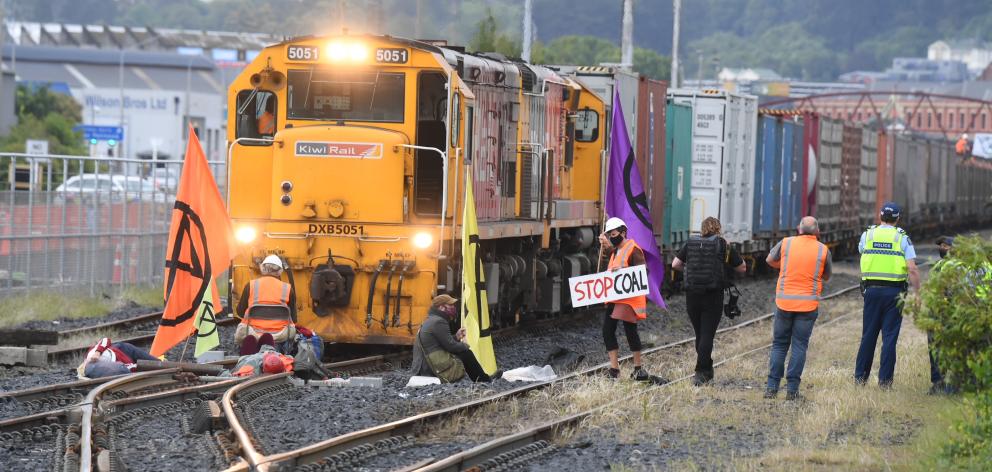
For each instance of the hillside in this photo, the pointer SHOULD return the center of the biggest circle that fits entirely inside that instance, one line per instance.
(811, 39)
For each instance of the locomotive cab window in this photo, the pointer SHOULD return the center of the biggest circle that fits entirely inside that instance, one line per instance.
(257, 114)
(336, 95)
(432, 110)
(586, 126)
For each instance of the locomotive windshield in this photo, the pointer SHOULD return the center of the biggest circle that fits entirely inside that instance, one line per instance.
(346, 95)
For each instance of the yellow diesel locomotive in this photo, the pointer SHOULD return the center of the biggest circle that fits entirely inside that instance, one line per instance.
(348, 157)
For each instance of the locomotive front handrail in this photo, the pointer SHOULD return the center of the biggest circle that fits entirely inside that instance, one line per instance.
(444, 188)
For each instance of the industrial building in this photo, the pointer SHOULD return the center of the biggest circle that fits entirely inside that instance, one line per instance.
(149, 82)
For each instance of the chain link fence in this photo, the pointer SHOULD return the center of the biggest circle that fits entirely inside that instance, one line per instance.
(97, 224)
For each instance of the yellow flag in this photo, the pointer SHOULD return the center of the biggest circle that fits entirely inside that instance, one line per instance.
(206, 324)
(475, 305)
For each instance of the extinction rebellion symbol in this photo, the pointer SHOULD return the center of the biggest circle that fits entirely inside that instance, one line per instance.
(191, 237)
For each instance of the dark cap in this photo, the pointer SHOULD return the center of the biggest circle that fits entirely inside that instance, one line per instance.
(891, 209)
(948, 240)
(443, 299)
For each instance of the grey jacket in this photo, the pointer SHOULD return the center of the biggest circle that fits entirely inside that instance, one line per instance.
(434, 334)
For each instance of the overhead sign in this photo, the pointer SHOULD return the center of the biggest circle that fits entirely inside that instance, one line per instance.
(983, 146)
(101, 133)
(36, 147)
(607, 287)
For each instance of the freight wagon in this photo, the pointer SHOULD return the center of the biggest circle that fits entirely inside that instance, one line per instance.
(723, 151)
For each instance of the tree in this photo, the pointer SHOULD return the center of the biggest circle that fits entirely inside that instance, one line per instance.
(42, 114)
(487, 38)
(955, 307)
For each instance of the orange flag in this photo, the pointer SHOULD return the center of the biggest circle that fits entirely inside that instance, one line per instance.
(200, 248)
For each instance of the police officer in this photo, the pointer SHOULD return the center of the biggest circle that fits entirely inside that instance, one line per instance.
(887, 264)
(623, 252)
(706, 259)
(267, 305)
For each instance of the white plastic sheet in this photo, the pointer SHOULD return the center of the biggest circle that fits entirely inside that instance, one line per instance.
(420, 381)
(530, 373)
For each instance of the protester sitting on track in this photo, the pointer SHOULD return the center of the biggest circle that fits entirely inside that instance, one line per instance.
(267, 305)
(804, 265)
(107, 359)
(266, 361)
(436, 353)
(706, 259)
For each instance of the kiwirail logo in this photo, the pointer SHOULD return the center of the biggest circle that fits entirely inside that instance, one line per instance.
(341, 150)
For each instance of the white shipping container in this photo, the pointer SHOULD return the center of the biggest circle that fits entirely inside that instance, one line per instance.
(723, 147)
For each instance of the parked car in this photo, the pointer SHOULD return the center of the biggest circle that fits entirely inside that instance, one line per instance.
(113, 188)
(165, 179)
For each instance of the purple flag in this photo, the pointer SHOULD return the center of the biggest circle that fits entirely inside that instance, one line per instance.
(625, 199)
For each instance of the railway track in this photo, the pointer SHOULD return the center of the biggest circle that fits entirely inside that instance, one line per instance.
(144, 324)
(354, 448)
(507, 451)
(108, 416)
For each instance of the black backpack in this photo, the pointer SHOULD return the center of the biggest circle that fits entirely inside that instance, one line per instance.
(704, 264)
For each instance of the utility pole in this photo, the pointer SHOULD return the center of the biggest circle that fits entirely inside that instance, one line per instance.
(374, 18)
(627, 36)
(418, 33)
(3, 35)
(677, 4)
(528, 30)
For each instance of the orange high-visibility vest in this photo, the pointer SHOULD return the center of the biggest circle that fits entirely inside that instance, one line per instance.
(267, 123)
(800, 278)
(272, 292)
(621, 259)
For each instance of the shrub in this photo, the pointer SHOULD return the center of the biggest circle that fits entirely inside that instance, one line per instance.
(955, 307)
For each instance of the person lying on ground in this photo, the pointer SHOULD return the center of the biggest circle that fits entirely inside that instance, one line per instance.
(107, 359)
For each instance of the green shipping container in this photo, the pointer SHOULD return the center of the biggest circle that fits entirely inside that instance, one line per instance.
(678, 172)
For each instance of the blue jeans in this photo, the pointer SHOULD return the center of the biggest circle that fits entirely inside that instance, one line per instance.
(790, 329)
(881, 314)
(135, 352)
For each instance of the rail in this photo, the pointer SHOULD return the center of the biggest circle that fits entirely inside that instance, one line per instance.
(472, 459)
(323, 449)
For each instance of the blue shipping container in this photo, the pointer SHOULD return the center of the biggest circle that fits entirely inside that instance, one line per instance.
(778, 165)
(790, 203)
(766, 176)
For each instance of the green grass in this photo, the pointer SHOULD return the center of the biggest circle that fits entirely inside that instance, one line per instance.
(50, 305)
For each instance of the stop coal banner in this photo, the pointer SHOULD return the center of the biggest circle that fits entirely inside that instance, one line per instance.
(607, 287)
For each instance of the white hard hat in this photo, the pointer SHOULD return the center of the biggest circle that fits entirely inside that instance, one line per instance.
(274, 260)
(613, 223)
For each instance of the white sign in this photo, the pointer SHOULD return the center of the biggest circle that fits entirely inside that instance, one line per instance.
(36, 147)
(982, 146)
(608, 286)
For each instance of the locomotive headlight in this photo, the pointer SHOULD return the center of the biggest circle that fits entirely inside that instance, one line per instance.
(423, 240)
(339, 51)
(245, 234)
(357, 52)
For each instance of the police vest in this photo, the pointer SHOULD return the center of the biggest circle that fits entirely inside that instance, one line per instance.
(883, 258)
(800, 279)
(268, 292)
(621, 259)
(980, 278)
(704, 264)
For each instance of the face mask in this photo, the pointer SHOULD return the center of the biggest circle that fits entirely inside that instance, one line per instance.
(616, 240)
(943, 253)
(448, 310)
